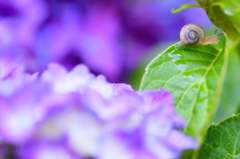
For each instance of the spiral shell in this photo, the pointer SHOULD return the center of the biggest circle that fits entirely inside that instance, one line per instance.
(192, 34)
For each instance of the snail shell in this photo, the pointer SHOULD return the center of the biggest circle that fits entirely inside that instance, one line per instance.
(192, 34)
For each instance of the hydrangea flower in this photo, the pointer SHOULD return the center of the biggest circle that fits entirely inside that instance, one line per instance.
(61, 114)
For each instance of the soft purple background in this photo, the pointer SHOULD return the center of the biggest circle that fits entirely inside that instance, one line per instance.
(111, 37)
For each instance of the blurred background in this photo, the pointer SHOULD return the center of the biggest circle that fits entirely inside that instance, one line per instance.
(116, 38)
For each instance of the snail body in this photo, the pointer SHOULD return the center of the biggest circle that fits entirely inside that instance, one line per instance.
(192, 34)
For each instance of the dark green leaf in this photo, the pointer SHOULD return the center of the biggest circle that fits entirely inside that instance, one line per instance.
(222, 140)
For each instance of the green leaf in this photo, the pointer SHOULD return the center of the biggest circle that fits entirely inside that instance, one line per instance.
(192, 74)
(236, 18)
(230, 101)
(230, 7)
(222, 140)
(217, 16)
(184, 6)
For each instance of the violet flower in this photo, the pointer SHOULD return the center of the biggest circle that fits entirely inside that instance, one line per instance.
(24, 102)
(61, 114)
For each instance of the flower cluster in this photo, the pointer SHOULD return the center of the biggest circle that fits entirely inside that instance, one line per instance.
(66, 115)
(83, 31)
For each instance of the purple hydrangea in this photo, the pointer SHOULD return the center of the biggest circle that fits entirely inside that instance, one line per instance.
(61, 114)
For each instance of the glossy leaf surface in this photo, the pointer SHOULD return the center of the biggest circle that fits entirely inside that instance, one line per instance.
(191, 74)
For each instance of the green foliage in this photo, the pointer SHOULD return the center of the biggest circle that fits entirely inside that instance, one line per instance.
(230, 7)
(216, 10)
(195, 77)
(184, 6)
(222, 140)
(230, 101)
(192, 75)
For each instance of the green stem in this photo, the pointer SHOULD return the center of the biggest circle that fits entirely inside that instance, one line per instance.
(220, 19)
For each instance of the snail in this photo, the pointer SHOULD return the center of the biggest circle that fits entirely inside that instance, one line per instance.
(192, 34)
